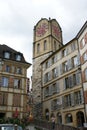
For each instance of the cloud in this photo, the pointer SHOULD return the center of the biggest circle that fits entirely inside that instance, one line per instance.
(18, 18)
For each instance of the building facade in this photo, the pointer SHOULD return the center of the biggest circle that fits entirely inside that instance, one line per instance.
(13, 76)
(64, 82)
(60, 78)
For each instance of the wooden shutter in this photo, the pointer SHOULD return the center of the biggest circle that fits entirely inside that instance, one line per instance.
(50, 89)
(63, 102)
(57, 85)
(5, 97)
(64, 84)
(61, 69)
(82, 96)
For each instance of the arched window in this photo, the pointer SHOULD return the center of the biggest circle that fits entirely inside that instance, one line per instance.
(68, 118)
(47, 114)
(59, 118)
(38, 47)
(45, 45)
(55, 46)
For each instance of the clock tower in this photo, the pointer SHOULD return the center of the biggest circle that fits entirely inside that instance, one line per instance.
(47, 40)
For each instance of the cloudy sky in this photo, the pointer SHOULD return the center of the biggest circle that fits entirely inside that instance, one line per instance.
(18, 18)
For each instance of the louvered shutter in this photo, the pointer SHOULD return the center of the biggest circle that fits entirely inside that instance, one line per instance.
(57, 85)
(82, 95)
(78, 78)
(63, 103)
(61, 69)
(50, 90)
(78, 59)
(72, 99)
(64, 84)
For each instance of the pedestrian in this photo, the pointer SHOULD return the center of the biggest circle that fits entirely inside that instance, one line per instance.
(53, 121)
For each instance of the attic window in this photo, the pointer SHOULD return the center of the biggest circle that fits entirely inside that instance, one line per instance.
(18, 57)
(6, 55)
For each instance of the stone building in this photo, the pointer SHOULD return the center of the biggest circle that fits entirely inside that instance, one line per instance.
(13, 76)
(47, 39)
(60, 74)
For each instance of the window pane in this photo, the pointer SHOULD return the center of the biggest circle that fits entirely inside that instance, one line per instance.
(18, 57)
(7, 68)
(16, 83)
(45, 45)
(4, 82)
(7, 55)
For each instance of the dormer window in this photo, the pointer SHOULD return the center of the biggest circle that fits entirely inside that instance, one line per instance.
(6, 55)
(18, 57)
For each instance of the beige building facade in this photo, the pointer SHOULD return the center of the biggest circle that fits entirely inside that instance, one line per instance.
(13, 76)
(61, 85)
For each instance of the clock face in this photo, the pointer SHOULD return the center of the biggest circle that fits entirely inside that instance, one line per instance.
(41, 29)
(56, 30)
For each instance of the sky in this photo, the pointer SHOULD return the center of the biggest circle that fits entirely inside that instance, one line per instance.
(18, 18)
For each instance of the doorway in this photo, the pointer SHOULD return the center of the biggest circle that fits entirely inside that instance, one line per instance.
(80, 119)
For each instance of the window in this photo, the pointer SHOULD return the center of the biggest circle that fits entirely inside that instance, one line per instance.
(47, 114)
(59, 117)
(53, 59)
(54, 88)
(59, 55)
(47, 64)
(78, 97)
(18, 71)
(73, 46)
(46, 92)
(7, 68)
(3, 98)
(54, 104)
(68, 100)
(69, 118)
(86, 74)
(7, 55)
(17, 100)
(17, 83)
(77, 78)
(83, 42)
(66, 83)
(74, 79)
(45, 45)
(4, 81)
(85, 56)
(54, 73)
(64, 52)
(55, 46)
(38, 48)
(47, 77)
(75, 61)
(18, 57)
(65, 66)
